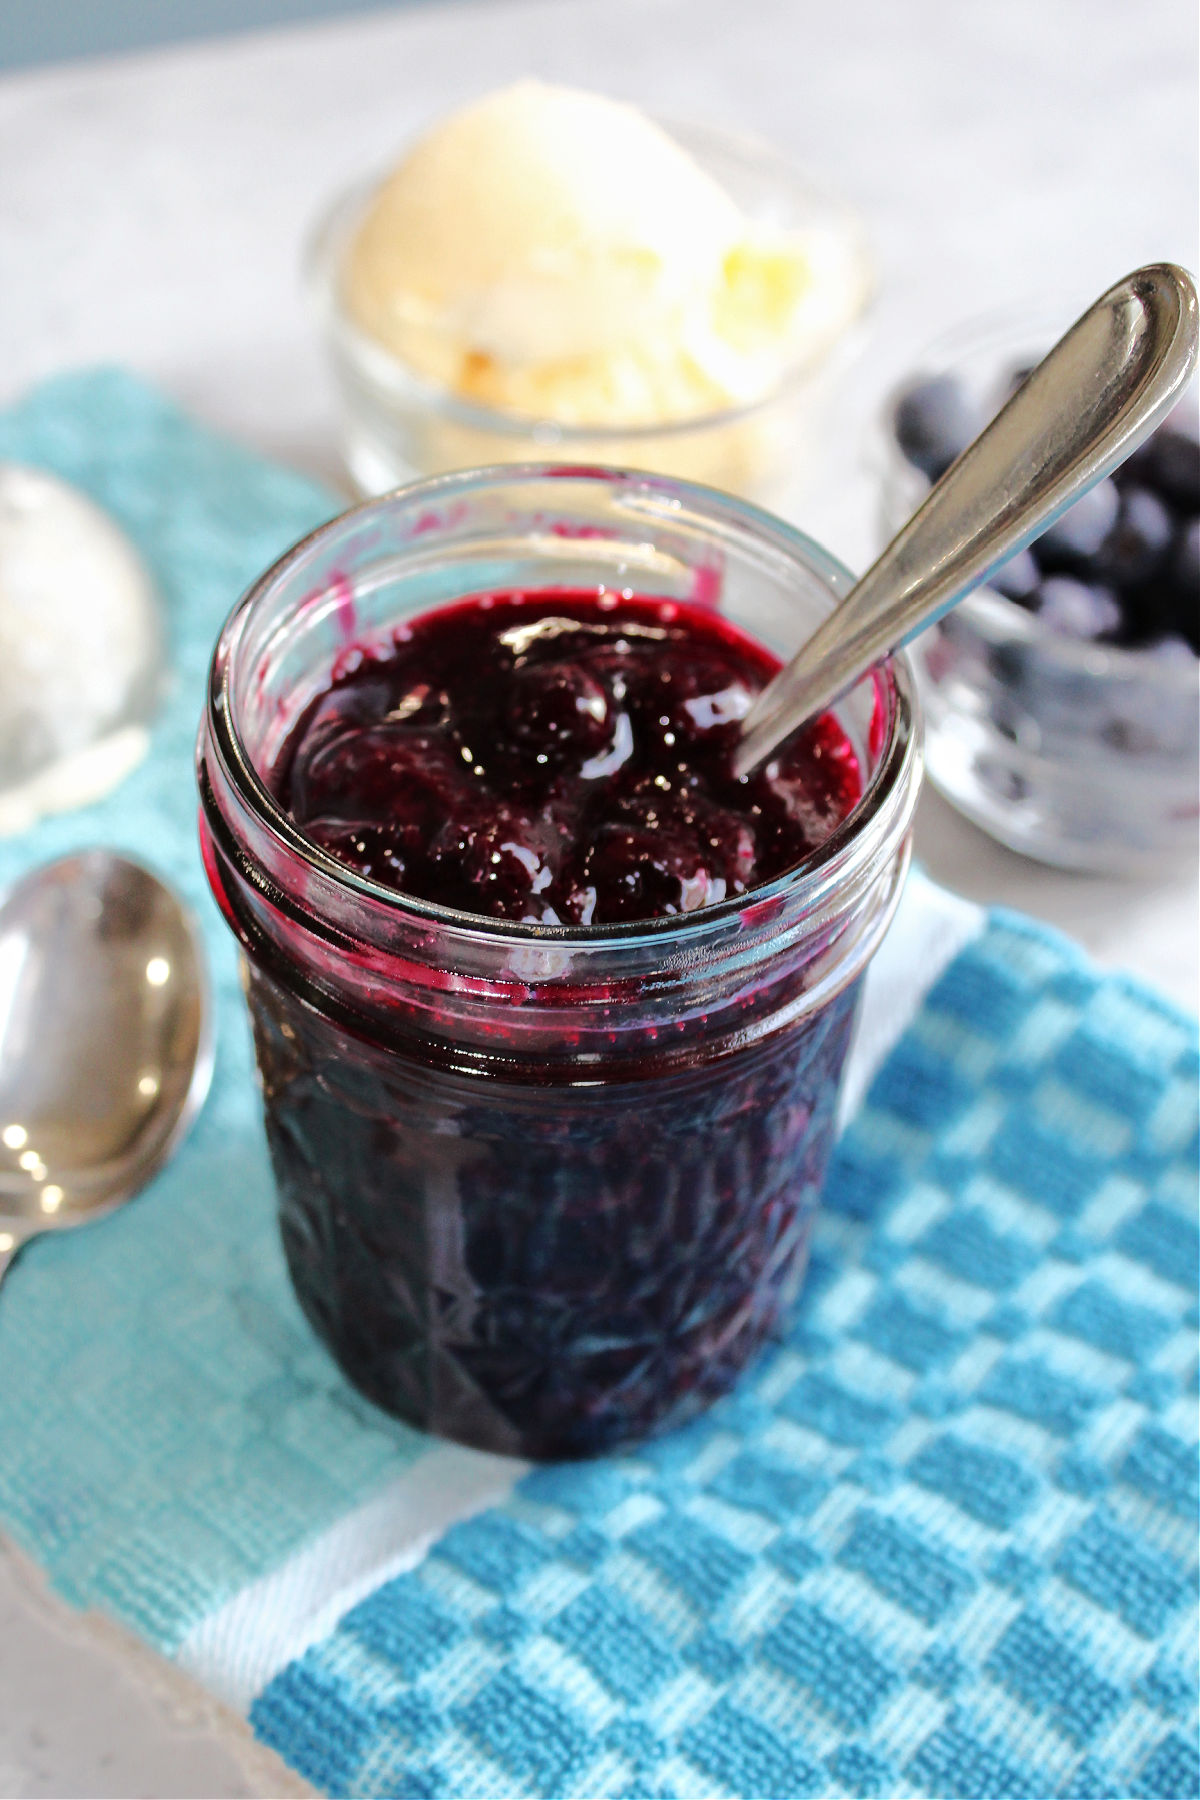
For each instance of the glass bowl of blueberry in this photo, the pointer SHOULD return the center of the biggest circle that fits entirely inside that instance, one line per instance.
(1062, 701)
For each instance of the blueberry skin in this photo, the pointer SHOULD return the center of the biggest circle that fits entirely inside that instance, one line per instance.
(1076, 609)
(1184, 583)
(1170, 464)
(1074, 539)
(1017, 579)
(1136, 548)
(934, 422)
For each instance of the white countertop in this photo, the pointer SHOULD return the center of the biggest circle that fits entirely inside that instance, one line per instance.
(152, 211)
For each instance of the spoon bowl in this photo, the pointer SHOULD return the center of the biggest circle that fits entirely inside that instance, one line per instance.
(106, 1046)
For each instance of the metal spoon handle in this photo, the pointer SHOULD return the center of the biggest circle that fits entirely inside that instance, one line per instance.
(1101, 390)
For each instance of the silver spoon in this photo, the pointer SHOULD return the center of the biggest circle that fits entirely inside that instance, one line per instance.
(1085, 408)
(105, 1040)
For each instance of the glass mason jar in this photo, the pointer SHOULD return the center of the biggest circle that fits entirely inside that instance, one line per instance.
(542, 1189)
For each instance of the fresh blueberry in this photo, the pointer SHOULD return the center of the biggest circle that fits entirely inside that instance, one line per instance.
(1079, 533)
(1145, 613)
(1184, 581)
(1077, 609)
(1170, 463)
(1185, 560)
(1017, 579)
(1135, 549)
(934, 422)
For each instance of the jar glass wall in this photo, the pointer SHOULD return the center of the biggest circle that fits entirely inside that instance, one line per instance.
(542, 1189)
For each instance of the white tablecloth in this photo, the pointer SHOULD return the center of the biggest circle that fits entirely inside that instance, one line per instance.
(152, 211)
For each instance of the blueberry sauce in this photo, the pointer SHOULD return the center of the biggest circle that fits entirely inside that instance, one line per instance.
(545, 1270)
(561, 758)
(588, 1236)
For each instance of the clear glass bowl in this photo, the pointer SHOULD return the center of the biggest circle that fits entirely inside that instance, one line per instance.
(1081, 755)
(397, 426)
(542, 1188)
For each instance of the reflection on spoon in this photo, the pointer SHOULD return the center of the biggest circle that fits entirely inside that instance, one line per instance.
(105, 1040)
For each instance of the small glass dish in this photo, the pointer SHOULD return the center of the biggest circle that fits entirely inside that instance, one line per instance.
(397, 426)
(1080, 754)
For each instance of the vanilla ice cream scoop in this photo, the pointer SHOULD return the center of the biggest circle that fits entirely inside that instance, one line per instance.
(557, 255)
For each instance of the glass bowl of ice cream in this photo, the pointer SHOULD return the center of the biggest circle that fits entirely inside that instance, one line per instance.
(552, 273)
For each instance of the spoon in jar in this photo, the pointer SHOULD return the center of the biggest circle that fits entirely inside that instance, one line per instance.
(105, 1040)
(1084, 409)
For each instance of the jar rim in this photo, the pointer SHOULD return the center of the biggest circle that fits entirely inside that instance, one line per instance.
(842, 852)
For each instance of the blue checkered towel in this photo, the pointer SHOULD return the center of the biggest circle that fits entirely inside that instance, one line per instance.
(941, 1542)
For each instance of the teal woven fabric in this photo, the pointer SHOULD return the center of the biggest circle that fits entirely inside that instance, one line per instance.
(169, 1427)
(942, 1543)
